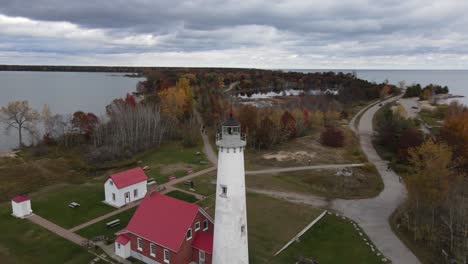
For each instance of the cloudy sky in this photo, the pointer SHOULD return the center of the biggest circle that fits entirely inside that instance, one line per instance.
(343, 34)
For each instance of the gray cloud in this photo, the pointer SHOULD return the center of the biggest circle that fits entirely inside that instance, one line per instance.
(306, 33)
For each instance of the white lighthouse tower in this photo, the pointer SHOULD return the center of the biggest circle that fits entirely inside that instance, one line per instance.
(230, 229)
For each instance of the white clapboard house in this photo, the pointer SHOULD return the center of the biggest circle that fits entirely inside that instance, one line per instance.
(125, 187)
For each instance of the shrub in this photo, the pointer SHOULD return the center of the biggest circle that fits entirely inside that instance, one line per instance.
(332, 137)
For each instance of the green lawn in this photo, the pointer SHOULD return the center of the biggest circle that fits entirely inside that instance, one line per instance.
(204, 184)
(24, 242)
(365, 182)
(52, 203)
(331, 241)
(271, 223)
(182, 196)
(172, 159)
(100, 228)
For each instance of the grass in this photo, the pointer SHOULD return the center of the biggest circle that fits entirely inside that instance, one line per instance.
(182, 196)
(332, 240)
(204, 184)
(172, 159)
(271, 223)
(364, 183)
(52, 203)
(100, 228)
(20, 175)
(24, 242)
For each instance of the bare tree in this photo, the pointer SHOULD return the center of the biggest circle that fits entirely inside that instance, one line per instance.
(19, 115)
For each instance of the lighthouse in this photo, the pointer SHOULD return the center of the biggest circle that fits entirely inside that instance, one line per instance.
(230, 244)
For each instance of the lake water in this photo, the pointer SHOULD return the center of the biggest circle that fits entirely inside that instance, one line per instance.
(64, 92)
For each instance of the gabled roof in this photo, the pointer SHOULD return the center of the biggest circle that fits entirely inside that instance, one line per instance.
(203, 241)
(163, 220)
(20, 199)
(128, 177)
(123, 239)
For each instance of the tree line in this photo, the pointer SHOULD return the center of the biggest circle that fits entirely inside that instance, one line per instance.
(436, 212)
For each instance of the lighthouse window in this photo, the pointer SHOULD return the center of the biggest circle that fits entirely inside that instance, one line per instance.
(243, 229)
(223, 190)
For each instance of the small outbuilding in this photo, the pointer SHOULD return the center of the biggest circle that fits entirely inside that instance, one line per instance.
(125, 187)
(122, 246)
(21, 206)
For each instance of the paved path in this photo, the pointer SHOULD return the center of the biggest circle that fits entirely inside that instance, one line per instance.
(373, 214)
(301, 168)
(102, 217)
(67, 234)
(207, 149)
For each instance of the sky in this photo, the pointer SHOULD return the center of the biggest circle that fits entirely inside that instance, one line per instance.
(307, 34)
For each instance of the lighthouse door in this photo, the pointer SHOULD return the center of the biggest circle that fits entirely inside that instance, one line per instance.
(201, 257)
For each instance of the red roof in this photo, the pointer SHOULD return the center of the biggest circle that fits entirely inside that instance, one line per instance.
(123, 239)
(163, 220)
(20, 199)
(203, 241)
(128, 177)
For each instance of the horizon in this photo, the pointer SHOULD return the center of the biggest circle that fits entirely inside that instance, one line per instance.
(352, 34)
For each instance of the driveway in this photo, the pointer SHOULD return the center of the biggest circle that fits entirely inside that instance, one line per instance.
(373, 214)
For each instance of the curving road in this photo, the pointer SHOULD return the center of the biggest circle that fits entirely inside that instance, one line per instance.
(373, 214)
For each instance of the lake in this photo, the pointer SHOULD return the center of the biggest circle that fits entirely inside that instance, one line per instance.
(64, 92)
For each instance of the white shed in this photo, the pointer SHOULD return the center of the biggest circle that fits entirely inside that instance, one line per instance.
(125, 187)
(122, 246)
(21, 206)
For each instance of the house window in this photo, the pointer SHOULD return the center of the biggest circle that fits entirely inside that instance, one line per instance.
(166, 256)
(113, 197)
(205, 225)
(118, 245)
(223, 190)
(189, 234)
(243, 229)
(197, 226)
(111, 183)
(135, 193)
(139, 244)
(153, 250)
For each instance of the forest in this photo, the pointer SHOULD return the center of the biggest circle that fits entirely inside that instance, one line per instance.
(435, 169)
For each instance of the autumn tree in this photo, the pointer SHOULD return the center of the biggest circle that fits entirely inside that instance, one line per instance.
(177, 102)
(288, 125)
(84, 123)
(410, 138)
(20, 116)
(428, 184)
(267, 133)
(455, 132)
(332, 137)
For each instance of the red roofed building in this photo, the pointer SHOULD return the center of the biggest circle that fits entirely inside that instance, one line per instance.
(21, 206)
(125, 187)
(167, 230)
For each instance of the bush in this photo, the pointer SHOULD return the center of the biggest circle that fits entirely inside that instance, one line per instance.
(332, 137)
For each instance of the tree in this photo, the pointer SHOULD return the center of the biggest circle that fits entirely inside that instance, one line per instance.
(332, 137)
(85, 123)
(455, 132)
(429, 182)
(410, 138)
(288, 125)
(20, 116)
